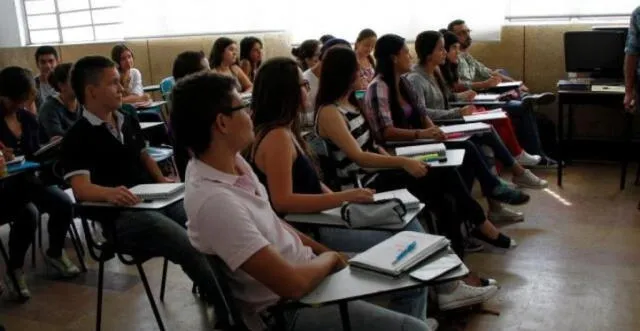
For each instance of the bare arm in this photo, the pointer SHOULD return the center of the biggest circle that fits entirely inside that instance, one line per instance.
(332, 126)
(85, 190)
(630, 69)
(274, 157)
(287, 280)
(246, 83)
(132, 98)
(152, 167)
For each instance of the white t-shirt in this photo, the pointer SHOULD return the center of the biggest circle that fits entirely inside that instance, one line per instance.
(231, 217)
(135, 84)
(314, 85)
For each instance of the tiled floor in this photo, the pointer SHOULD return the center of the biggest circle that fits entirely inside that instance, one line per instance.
(577, 267)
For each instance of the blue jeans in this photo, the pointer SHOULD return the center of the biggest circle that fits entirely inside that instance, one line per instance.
(526, 127)
(410, 302)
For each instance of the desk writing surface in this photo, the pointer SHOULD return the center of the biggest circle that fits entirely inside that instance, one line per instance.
(353, 283)
(153, 104)
(148, 125)
(332, 218)
(425, 141)
(151, 205)
(455, 157)
(151, 88)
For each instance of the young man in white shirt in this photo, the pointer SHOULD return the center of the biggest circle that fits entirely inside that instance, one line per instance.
(230, 216)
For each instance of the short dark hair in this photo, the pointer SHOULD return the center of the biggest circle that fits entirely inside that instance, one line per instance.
(326, 37)
(187, 63)
(330, 44)
(46, 50)
(306, 50)
(117, 51)
(17, 84)
(88, 70)
(59, 75)
(217, 51)
(196, 102)
(455, 23)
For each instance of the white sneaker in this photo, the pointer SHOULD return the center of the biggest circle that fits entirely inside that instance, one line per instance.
(505, 215)
(527, 160)
(432, 324)
(465, 295)
(528, 180)
(22, 289)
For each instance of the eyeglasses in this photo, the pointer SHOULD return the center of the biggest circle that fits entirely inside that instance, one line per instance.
(244, 105)
(306, 85)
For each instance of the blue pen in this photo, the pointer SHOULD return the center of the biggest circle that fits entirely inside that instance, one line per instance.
(405, 252)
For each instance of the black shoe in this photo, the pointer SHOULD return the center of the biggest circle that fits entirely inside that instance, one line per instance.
(501, 242)
(546, 163)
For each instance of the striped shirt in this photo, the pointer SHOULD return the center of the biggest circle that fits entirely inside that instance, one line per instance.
(347, 171)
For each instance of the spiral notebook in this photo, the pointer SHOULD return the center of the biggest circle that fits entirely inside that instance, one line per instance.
(382, 256)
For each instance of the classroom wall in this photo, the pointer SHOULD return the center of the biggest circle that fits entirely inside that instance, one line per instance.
(531, 53)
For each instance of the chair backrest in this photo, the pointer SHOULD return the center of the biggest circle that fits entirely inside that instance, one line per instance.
(130, 110)
(166, 85)
(228, 316)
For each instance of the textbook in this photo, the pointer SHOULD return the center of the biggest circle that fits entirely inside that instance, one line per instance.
(428, 152)
(400, 253)
(468, 128)
(157, 191)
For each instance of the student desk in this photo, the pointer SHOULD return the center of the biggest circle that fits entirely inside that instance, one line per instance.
(568, 99)
(151, 88)
(149, 125)
(334, 220)
(352, 284)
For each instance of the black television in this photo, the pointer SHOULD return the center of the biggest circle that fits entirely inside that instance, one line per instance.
(600, 53)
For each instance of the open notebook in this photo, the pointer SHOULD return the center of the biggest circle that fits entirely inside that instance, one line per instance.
(381, 257)
(157, 191)
(432, 152)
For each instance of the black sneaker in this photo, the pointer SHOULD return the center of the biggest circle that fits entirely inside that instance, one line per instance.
(546, 163)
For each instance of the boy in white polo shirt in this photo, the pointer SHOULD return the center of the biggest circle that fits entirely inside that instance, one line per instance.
(230, 216)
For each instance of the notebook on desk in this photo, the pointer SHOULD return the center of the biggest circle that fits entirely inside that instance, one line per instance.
(384, 257)
(157, 191)
(494, 114)
(425, 152)
(487, 97)
(436, 265)
(467, 128)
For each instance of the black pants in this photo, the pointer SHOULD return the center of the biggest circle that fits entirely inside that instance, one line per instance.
(27, 197)
(445, 195)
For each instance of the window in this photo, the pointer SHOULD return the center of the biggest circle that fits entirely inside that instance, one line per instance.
(309, 20)
(64, 21)
(570, 10)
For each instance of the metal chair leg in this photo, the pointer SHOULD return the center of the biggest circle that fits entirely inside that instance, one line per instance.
(76, 245)
(100, 289)
(75, 232)
(163, 283)
(152, 302)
